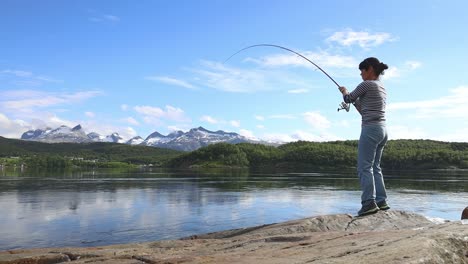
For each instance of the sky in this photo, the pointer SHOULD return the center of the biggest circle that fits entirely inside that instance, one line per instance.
(136, 67)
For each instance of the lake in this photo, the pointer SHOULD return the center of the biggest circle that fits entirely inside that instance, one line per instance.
(102, 207)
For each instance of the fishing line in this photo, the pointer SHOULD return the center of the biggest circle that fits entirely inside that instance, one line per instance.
(290, 50)
(343, 106)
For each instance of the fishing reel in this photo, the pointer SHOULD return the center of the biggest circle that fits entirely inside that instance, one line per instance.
(344, 106)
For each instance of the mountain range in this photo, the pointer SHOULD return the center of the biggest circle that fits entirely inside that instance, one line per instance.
(178, 140)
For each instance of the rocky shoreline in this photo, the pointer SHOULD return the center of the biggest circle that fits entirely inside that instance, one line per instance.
(385, 237)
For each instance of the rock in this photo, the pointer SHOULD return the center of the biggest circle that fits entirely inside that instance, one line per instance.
(24, 257)
(385, 237)
(465, 214)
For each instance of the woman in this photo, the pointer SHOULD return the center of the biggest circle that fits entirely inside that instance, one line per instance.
(369, 98)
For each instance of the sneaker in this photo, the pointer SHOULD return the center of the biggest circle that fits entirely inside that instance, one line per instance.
(383, 205)
(368, 209)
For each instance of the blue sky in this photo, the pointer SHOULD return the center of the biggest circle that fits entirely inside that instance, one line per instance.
(143, 66)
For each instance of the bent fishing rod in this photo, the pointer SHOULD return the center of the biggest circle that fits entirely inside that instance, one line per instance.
(342, 106)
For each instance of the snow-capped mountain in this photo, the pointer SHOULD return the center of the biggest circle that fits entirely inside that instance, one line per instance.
(32, 134)
(193, 139)
(114, 137)
(179, 140)
(156, 138)
(60, 134)
(135, 141)
(95, 137)
(69, 135)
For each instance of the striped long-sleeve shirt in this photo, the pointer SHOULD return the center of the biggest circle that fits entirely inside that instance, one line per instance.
(369, 98)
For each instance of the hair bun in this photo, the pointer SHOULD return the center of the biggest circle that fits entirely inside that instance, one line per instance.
(379, 67)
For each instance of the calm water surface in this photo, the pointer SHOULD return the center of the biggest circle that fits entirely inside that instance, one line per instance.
(92, 208)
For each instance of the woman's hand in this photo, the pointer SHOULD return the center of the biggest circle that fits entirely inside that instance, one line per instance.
(343, 90)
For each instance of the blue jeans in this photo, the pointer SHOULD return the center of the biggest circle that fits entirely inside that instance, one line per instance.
(371, 144)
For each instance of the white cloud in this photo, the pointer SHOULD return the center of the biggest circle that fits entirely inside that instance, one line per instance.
(27, 78)
(150, 111)
(103, 18)
(303, 135)
(128, 133)
(32, 100)
(278, 137)
(404, 132)
(27, 105)
(235, 123)
(413, 117)
(177, 128)
(132, 121)
(316, 120)
(246, 80)
(259, 117)
(18, 73)
(54, 121)
(47, 79)
(219, 76)
(247, 133)
(298, 91)
(209, 119)
(267, 73)
(397, 71)
(457, 135)
(282, 116)
(124, 107)
(24, 93)
(413, 64)
(453, 105)
(322, 58)
(78, 96)
(90, 114)
(152, 121)
(42, 119)
(46, 119)
(212, 120)
(111, 17)
(155, 114)
(298, 135)
(12, 128)
(391, 73)
(171, 81)
(174, 113)
(363, 39)
(343, 123)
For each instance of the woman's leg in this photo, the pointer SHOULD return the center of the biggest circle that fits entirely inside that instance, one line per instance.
(380, 191)
(366, 153)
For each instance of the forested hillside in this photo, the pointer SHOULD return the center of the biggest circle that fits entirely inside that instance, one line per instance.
(37, 154)
(398, 154)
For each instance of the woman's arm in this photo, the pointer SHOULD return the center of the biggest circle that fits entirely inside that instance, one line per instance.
(348, 99)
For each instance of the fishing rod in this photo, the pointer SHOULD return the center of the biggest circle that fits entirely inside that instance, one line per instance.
(342, 106)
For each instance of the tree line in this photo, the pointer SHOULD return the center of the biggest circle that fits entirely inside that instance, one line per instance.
(15, 152)
(398, 154)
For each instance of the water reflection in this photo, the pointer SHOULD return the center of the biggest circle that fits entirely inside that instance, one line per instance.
(88, 208)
